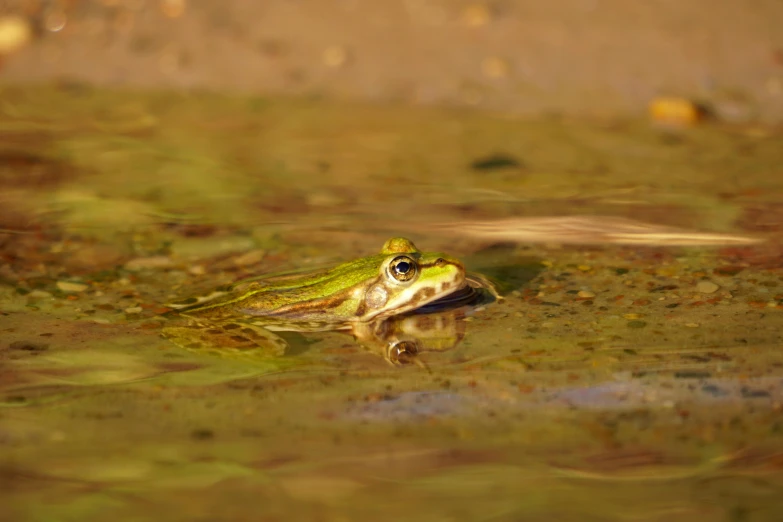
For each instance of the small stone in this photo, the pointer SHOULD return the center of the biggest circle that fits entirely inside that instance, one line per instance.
(584, 268)
(476, 15)
(636, 324)
(173, 8)
(57, 436)
(673, 111)
(249, 258)
(632, 316)
(93, 258)
(495, 67)
(692, 325)
(586, 294)
(55, 20)
(39, 294)
(141, 263)
(734, 107)
(15, 33)
(133, 310)
(335, 56)
(322, 198)
(707, 287)
(28, 346)
(496, 161)
(774, 86)
(203, 434)
(730, 270)
(67, 286)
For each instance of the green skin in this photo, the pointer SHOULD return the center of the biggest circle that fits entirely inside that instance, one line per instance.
(357, 291)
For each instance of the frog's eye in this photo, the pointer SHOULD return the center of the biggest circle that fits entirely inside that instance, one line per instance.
(402, 268)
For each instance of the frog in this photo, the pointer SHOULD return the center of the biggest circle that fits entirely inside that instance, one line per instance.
(245, 316)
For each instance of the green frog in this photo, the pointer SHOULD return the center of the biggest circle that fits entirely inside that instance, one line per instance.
(245, 315)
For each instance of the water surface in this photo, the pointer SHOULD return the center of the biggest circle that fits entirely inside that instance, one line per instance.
(638, 383)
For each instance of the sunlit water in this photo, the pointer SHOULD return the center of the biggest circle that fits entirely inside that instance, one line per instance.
(613, 382)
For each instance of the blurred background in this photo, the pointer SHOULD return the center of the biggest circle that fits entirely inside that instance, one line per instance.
(590, 57)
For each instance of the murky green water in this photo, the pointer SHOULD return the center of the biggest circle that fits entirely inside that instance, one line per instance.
(614, 382)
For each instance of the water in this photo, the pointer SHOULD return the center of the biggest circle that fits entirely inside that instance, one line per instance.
(637, 382)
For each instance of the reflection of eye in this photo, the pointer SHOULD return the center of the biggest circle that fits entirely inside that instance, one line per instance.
(403, 352)
(402, 268)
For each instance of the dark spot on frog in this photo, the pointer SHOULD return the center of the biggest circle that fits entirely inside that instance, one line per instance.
(230, 326)
(424, 322)
(202, 434)
(179, 366)
(424, 293)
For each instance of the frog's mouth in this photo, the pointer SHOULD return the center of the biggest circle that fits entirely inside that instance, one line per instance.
(469, 295)
(413, 299)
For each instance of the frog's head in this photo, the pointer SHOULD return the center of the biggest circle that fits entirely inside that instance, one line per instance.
(409, 279)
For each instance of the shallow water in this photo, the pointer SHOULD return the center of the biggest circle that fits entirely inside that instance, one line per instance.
(613, 382)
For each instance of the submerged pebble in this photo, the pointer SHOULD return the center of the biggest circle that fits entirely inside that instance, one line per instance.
(707, 287)
(15, 33)
(67, 286)
(674, 111)
(142, 263)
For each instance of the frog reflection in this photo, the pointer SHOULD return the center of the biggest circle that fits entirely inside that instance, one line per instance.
(401, 339)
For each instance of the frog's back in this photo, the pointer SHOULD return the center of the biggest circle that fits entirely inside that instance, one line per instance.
(331, 294)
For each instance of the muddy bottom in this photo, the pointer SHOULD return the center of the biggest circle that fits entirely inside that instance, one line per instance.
(614, 381)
